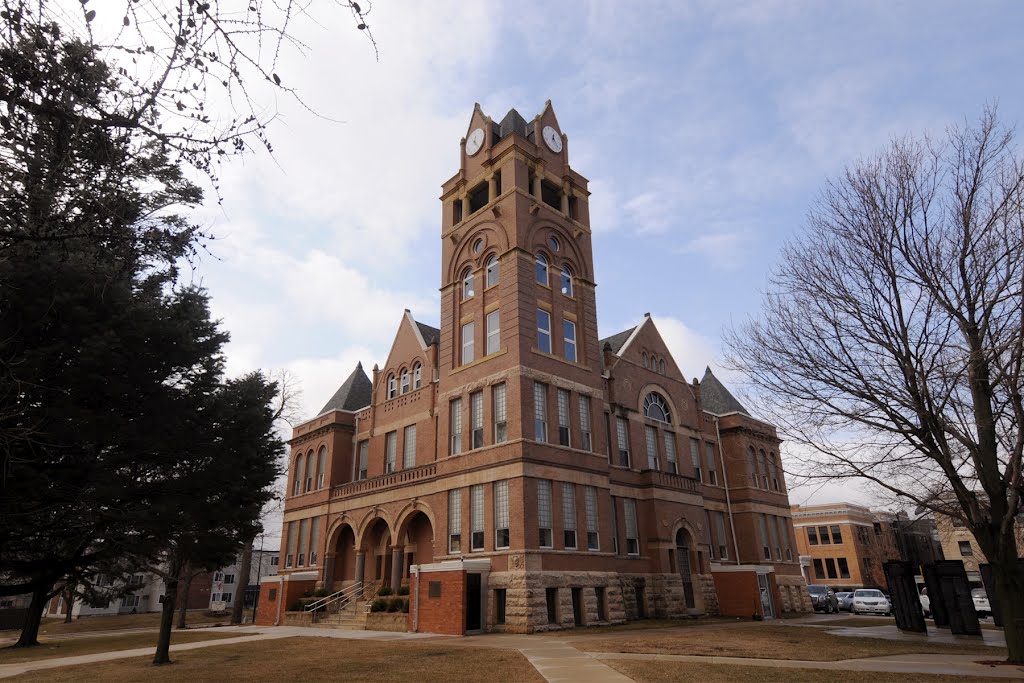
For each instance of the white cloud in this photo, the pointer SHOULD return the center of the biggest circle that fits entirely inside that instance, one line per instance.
(724, 251)
(691, 350)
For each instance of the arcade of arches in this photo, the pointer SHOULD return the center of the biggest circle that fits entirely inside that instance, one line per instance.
(376, 558)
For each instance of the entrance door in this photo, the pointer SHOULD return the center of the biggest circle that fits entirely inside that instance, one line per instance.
(764, 587)
(577, 606)
(472, 602)
(683, 555)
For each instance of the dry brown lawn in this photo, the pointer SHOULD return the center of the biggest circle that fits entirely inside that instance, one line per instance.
(855, 621)
(776, 642)
(71, 647)
(311, 659)
(118, 622)
(678, 672)
(644, 625)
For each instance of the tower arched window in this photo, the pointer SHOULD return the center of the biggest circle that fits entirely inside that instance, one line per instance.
(321, 464)
(542, 269)
(644, 356)
(764, 470)
(493, 271)
(566, 281)
(309, 472)
(656, 408)
(468, 284)
(754, 473)
(776, 466)
(392, 386)
(661, 366)
(297, 480)
(417, 376)
(405, 380)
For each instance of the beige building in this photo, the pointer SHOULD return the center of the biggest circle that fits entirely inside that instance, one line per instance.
(958, 543)
(844, 545)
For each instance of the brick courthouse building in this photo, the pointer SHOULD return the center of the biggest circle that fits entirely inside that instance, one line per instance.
(518, 472)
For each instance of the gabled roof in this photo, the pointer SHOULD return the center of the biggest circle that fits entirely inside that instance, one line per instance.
(617, 340)
(431, 335)
(354, 394)
(716, 398)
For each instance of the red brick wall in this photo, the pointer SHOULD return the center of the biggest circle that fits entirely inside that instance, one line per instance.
(270, 609)
(445, 614)
(738, 595)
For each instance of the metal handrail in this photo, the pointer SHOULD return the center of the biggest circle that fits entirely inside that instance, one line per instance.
(344, 594)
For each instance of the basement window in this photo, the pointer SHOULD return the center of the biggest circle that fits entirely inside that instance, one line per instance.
(478, 198)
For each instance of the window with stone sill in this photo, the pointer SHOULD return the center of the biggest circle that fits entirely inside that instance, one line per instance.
(405, 380)
(492, 271)
(541, 274)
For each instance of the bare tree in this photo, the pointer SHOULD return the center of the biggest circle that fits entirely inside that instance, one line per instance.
(891, 343)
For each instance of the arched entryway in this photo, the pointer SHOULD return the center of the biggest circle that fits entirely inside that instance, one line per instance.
(419, 542)
(377, 549)
(683, 545)
(343, 564)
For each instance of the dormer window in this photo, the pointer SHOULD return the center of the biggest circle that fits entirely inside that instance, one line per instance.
(542, 269)
(392, 387)
(566, 281)
(405, 380)
(468, 284)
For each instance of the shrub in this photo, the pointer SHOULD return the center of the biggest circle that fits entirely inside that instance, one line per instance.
(395, 604)
(296, 606)
(385, 590)
(379, 605)
(403, 590)
(405, 606)
(321, 593)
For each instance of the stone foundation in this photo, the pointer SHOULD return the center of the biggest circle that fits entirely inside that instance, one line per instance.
(793, 594)
(706, 585)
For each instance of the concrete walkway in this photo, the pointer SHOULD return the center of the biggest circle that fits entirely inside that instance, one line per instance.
(949, 665)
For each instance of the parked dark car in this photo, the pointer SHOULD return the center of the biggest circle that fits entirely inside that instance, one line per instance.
(823, 598)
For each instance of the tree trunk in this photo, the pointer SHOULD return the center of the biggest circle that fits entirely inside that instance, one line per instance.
(30, 629)
(183, 608)
(243, 583)
(1009, 585)
(163, 643)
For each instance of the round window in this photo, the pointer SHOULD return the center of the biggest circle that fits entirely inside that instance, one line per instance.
(553, 243)
(478, 246)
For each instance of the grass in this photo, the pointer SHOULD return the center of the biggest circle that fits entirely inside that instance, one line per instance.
(118, 622)
(777, 642)
(644, 625)
(311, 659)
(72, 647)
(671, 672)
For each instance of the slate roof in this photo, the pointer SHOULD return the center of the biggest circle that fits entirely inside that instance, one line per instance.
(431, 335)
(513, 123)
(354, 394)
(716, 398)
(617, 340)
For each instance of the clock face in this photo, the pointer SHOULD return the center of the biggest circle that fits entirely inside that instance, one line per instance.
(474, 141)
(552, 139)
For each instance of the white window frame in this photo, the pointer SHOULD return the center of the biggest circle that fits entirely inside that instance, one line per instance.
(544, 333)
(468, 284)
(586, 437)
(622, 440)
(670, 452)
(409, 447)
(454, 521)
(566, 281)
(476, 518)
(492, 271)
(651, 437)
(709, 450)
(390, 451)
(363, 463)
(417, 376)
(455, 426)
(501, 527)
(541, 266)
(493, 323)
(544, 526)
(569, 538)
(468, 342)
(540, 412)
(476, 420)
(695, 459)
(564, 437)
(593, 528)
(632, 527)
(569, 340)
(405, 380)
(499, 408)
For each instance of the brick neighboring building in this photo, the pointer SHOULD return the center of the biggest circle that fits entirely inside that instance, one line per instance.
(958, 543)
(547, 476)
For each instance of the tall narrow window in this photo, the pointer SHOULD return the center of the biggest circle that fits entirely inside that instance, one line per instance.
(775, 471)
(417, 376)
(563, 417)
(585, 438)
(632, 531)
(468, 285)
(321, 463)
(566, 281)
(314, 540)
(455, 411)
(723, 546)
(405, 380)
(392, 387)
(812, 535)
(493, 322)
(500, 408)
(590, 500)
(569, 340)
(501, 514)
(309, 471)
(844, 568)
(293, 539)
(652, 447)
(764, 469)
(540, 411)
(766, 550)
(493, 271)
(773, 534)
(615, 526)
(390, 446)
(837, 536)
(454, 521)
(409, 448)
(297, 485)
(542, 269)
(823, 535)
(709, 449)
(364, 460)
(476, 516)
(467, 343)
(543, 331)
(670, 452)
(695, 459)
(710, 533)
(303, 541)
(544, 513)
(569, 515)
(784, 533)
(755, 475)
(622, 433)
(476, 419)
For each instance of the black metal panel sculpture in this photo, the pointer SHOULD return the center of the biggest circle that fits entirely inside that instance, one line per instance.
(956, 594)
(934, 587)
(906, 604)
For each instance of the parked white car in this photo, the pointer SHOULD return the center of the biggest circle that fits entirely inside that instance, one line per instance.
(981, 604)
(870, 601)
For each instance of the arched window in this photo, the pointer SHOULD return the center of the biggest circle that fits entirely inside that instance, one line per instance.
(297, 481)
(321, 463)
(661, 366)
(566, 281)
(776, 466)
(392, 386)
(468, 284)
(656, 408)
(493, 272)
(417, 378)
(755, 475)
(405, 380)
(309, 472)
(542, 269)
(644, 355)
(764, 469)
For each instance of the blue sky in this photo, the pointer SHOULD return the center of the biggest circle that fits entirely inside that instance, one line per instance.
(705, 128)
